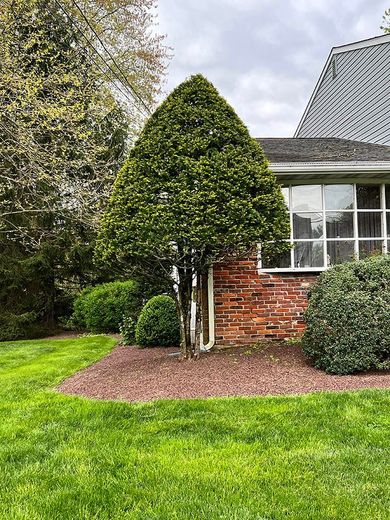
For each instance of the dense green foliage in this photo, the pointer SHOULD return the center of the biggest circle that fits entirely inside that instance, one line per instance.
(195, 190)
(127, 330)
(103, 307)
(63, 136)
(14, 326)
(313, 457)
(158, 323)
(348, 317)
(194, 178)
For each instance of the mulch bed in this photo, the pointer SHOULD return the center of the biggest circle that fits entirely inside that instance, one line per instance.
(133, 374)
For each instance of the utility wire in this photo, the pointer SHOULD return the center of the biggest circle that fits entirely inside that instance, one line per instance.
(100, 56)
(110, 55)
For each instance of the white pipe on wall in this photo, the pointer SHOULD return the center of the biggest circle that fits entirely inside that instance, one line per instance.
(210, 297)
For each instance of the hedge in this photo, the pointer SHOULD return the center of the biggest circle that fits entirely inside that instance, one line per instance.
(158, 323)
(102, 308)
(348, 317)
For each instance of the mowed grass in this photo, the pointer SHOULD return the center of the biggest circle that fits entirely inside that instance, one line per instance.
(320, 456)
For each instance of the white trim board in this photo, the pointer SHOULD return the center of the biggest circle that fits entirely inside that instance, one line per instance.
(356, 168)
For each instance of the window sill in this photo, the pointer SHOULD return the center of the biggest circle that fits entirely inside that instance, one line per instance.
(294, 270)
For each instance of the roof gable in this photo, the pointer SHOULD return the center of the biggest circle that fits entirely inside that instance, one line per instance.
(352, 99)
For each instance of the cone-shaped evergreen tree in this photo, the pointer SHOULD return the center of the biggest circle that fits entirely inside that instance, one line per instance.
(195, 191)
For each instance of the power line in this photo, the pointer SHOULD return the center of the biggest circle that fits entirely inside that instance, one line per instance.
(110, 55)
(100, 56)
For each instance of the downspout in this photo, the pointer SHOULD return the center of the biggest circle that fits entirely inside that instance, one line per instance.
(210, 298)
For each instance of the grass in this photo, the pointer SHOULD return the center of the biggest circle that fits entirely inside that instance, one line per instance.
(320, 456)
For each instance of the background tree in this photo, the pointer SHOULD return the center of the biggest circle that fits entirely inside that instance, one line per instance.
(123, 31)
(64, 129)
(386, 21)
(195, 190)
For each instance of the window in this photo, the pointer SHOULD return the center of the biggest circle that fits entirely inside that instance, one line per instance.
(334, 223)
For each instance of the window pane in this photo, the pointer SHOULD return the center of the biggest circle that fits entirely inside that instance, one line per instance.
(276, 261)
(388, 224)
(340, 251)
(307, 198)
(339, 225)
(368, 196)
(388, 196)
(339, 196)
(286, 195)
(370, 224)
(309, 254)
(370, 248)
(308, 225)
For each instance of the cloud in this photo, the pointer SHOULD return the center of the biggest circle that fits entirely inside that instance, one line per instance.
(264, 56)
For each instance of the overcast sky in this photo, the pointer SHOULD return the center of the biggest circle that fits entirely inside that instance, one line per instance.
(264, 56)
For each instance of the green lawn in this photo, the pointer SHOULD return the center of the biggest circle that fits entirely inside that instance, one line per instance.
(320, 456)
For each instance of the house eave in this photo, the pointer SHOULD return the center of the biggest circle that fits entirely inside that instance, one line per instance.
(334, 172)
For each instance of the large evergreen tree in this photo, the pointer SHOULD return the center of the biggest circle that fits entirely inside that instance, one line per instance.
(195, 190)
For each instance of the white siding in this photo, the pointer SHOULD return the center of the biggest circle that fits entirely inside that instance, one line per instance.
(355, 104)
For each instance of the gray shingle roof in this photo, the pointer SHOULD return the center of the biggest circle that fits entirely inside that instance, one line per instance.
(325, 149)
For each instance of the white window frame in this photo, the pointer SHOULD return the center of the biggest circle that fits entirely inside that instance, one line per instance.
(385, 238)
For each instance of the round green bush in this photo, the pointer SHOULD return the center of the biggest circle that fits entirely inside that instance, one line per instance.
(158, 323)
(102, 308)
(348, 317)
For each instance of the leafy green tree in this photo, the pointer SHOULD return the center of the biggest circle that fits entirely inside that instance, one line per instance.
(195, 190)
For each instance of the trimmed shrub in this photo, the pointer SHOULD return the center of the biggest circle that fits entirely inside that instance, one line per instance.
(348, 317)
(80, 308)
(158, 323)
(102, 308)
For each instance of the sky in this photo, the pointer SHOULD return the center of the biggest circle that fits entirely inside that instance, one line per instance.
(264, 56)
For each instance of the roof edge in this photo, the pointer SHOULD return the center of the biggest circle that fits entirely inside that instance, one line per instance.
(361, 44)
(314, 93)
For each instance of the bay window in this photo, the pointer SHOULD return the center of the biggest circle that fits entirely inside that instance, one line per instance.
(334, 223)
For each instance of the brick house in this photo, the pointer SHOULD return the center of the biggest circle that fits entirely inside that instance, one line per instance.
(335, 176)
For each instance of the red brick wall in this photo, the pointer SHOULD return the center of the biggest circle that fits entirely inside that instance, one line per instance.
(250, 306)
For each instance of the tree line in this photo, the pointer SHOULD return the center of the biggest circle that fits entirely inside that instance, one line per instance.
(77, 80)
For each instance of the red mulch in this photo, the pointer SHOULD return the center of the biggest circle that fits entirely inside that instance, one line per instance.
(133, 374)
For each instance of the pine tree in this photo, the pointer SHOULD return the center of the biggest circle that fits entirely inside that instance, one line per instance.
(195, 190)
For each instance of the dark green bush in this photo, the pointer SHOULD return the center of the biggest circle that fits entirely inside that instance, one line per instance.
(102, 308)
(348, 317)
(158, 323)
(13, 326)
(80, 308)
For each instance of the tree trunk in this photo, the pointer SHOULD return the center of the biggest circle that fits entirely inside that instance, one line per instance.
(184, 300)
(198, 322)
